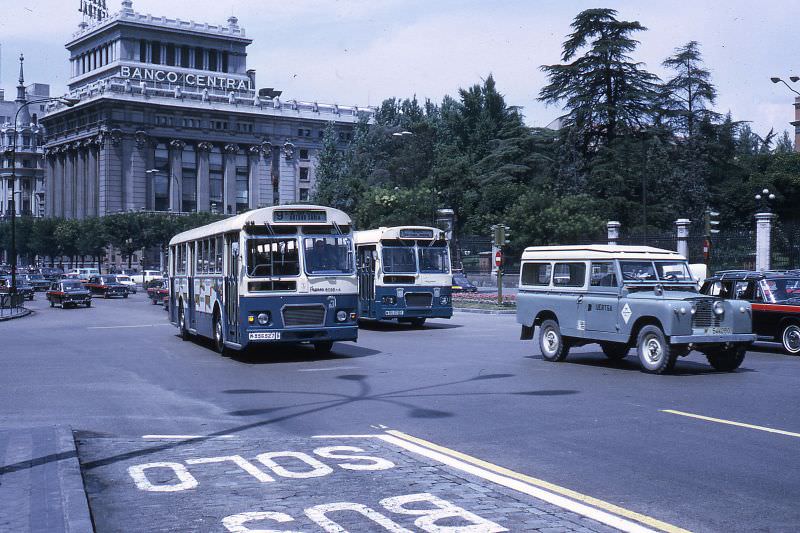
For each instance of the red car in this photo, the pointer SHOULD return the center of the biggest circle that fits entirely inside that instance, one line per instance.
(158, 292)
(107, 286)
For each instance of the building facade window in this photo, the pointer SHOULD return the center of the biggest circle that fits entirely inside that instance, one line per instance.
(304, 195)
(185, 56)
(215, 180)
(242, 180)
(304, 154)
(189, 173)
(303, 173)
(161, 178)
(170, 59)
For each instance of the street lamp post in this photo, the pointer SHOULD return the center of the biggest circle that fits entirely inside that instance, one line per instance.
(793, 79)
(69, 102)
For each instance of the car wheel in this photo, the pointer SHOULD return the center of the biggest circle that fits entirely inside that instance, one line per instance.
(790, 338)
(153, 301)
(615, 350)
(655, 354)
(52, 303)
(551, 343)
(125, 295)
(323, 348)
(219, 336)
(417, 322)
(727, 360)
(182, 324)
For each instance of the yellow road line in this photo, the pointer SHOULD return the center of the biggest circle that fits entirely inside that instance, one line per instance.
(589, 500)
(732, 423)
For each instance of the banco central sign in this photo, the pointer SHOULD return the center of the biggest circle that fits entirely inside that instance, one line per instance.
(190, 79)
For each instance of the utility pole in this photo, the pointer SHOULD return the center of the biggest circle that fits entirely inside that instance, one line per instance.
(501, 234)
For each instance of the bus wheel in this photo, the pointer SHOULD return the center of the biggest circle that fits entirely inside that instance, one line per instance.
(417, 322)
(182, 324)
(219, 336)
(323, 348)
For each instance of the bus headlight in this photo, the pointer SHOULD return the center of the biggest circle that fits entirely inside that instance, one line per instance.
(341, 315)
(263, 318)
(719, 308)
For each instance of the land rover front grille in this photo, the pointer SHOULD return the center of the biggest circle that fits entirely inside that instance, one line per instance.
(704, 316)
(418, 299)
(303, 315)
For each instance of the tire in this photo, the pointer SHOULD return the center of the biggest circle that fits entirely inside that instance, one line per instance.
(615, 350)
(790, 339)
(88, 304)
(219, 336)
(323, 348)
(417, 322)
(52, 303)
(125, 295)
(184, 333)
(727, 360)
(552, 345)
(153, 301)
(655, 354)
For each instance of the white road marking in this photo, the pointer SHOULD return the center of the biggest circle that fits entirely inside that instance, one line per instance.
(368, 436)
(186, 437)
(125, 327)
(732, 423)
(328, 368)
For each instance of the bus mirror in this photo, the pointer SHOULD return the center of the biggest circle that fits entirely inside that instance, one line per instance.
(235, 249)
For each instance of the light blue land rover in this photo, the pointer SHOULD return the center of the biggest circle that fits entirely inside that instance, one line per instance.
(627, 296)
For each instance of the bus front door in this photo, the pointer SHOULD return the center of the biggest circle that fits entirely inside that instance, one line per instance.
(231, 290)
(366, 280)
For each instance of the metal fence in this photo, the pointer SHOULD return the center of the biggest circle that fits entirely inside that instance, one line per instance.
(10, 304)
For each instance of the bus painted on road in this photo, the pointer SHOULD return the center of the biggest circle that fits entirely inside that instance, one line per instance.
(404, 273)
(282, 274)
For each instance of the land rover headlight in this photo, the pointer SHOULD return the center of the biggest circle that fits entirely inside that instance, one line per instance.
(719, 308)
(341, 316)
(263, 318)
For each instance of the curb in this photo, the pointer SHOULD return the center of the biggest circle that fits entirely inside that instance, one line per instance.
(77, 516)
(25, 312)
(484, 311)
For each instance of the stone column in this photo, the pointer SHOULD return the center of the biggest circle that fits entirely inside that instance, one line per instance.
(253, 185)
(763, 240)
(176, 175)
(136, 181)
(265, 175)
(91, 178)
(288, 175)
(229, 177)
(49, 173)
(682, 233)
(58, 183)
(203, 183)
(80, 181)
(69, 183)
(612, 228)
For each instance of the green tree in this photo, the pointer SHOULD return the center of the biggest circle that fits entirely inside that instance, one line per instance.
(67, 233)
(689, 93)
(92, 239)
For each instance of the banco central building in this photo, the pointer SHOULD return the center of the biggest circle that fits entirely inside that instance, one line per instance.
(170, 119)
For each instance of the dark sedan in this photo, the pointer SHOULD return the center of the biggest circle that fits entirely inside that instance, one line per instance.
(68, 293)
(107, 286)
(37, 281)
(462, 284)
(23, 287)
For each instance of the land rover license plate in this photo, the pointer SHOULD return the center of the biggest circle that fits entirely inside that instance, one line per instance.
(264, 335)
(719, 331)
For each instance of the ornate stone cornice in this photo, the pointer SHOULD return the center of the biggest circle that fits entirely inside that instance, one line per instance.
(232, 148)
(177, 144)
(288, 150)
(204, 146)
(266, 149)
(254, 149)
(141, 138)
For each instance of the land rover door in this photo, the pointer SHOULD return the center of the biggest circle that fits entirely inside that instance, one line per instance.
(602, 300)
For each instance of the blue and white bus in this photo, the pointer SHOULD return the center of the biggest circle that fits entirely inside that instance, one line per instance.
(404, 274)
(282, 274)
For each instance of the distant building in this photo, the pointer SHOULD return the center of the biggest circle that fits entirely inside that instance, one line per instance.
(29, 168)
(170, 119)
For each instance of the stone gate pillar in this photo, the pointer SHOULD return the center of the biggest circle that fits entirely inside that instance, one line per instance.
(682, 233)
(763, 240)
(612, 228)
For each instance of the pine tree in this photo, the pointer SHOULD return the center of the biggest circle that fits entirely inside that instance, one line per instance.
(690, 93)
(603, 90)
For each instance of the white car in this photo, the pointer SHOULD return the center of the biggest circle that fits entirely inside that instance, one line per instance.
(127, 282)
(150, 275)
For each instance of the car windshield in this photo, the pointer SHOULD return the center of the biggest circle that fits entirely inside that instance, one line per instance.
(673, 271)
(638, 271)
(783, 289)
(645, 271)
(108, 279)
(434, 259)
(277, 256)
(328, 255)
(399, 260)
(123, 278)
(71, 286)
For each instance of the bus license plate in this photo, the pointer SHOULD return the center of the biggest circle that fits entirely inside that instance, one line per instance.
(393, 313)
(264, 335)
(719, 331)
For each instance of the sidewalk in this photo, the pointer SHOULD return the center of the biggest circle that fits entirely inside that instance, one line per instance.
(15, 312)
(41, 488)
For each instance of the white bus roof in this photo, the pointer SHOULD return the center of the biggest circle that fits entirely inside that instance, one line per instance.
(373, 236)
(264, 216)
(598, 251)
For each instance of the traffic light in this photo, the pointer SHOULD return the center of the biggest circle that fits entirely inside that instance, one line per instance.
(501, 234)
(711, 221)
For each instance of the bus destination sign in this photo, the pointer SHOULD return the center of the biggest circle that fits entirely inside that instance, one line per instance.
(285, 215)
(416, 234)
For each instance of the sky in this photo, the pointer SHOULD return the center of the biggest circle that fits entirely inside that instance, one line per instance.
(359, 52)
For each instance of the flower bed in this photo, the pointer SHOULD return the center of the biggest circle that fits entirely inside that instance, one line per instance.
(483, 300)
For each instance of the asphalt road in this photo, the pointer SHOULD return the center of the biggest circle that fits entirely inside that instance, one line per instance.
(118, 371)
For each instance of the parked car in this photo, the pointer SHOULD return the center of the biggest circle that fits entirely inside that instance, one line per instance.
(51, 273)
(23, 287)
(774, 298)
(38, 282)
(158, 291)
(149, 275)
(68, 293)
(107, 286)
(127, 282)
(462, 284)
(83, 274)
(623, 297)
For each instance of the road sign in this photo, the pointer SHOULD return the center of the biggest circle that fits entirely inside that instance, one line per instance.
(498, 258)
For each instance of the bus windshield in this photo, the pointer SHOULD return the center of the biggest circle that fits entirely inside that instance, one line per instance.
(434, 260)
(399, 260)
(273, 257)
(328, 255)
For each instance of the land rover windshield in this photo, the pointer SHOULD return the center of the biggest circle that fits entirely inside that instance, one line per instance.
(655, 271)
